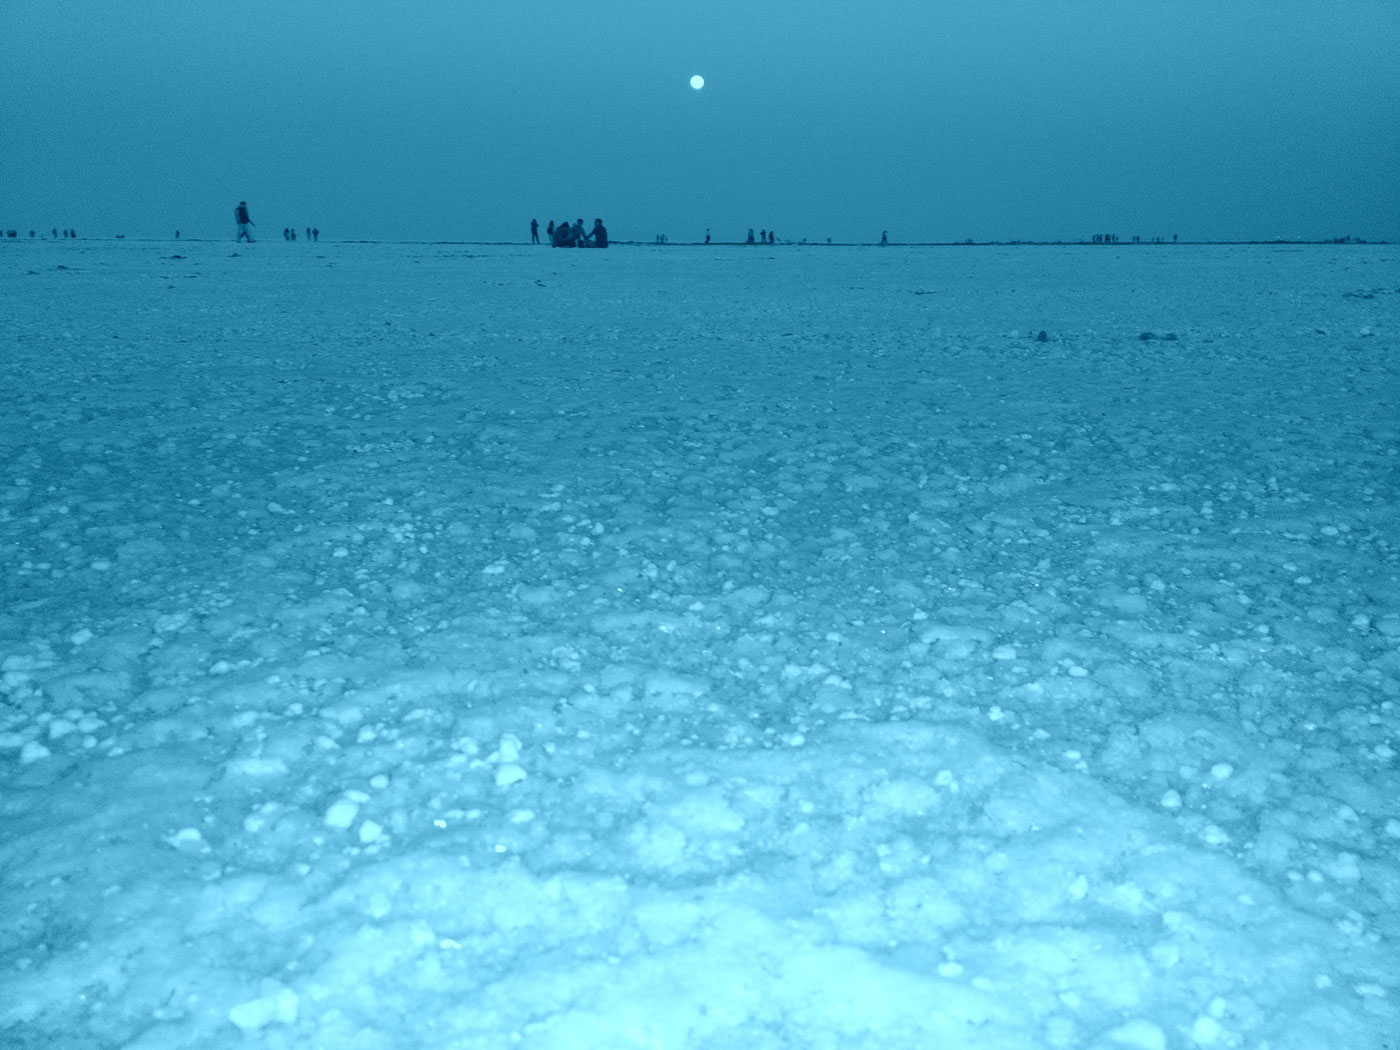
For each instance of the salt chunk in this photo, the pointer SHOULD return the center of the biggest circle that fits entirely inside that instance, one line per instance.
(1170, 799)
(256, 767)
(1214, 835)
(186, 838)
(1079, 888)
(508, 775)
(33, 752)
(59, 728)
(1139, 1033)
(280, 1006)
(1392, 828)
(80, 637)
(370, 831)
(522, 816)
(342, 813)
(379, 782)
(1004, 652)
(508, 750)
(1222, 770)
(1344, 868)
(1206, 1031)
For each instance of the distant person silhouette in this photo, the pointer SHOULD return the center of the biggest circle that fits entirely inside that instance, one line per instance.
(315, 233)
(177, 235)
(240, 216)
(707, 236)
(600, 234)
(534, 231)
(772, 237)
(580, 236)
(308, 233)
(750, 240)
(884, 238)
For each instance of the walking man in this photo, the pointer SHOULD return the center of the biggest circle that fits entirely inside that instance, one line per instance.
(534, 231)
(240, 215)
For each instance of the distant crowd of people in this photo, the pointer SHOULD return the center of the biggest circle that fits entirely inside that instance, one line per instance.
(56, 234)
(567, 235)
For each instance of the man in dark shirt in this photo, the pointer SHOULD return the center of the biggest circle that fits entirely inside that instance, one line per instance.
(240, 215)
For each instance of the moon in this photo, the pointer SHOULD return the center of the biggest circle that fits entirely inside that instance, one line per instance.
(697, 82)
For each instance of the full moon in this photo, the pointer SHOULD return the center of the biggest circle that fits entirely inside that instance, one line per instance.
(697, 82)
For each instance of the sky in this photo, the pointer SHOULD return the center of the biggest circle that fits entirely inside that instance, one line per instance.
(936, 121)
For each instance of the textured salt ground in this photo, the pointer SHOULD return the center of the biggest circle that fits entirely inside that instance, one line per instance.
(459, 647)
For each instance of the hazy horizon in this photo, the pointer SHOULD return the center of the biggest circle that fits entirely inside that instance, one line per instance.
(993, 121)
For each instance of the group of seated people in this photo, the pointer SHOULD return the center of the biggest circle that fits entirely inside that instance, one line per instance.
(563, 235)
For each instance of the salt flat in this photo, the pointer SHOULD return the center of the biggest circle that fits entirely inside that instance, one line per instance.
(464, 647)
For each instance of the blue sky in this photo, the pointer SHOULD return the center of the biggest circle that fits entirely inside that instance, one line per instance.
(994, 119)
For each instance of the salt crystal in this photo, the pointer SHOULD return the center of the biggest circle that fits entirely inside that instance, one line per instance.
(186, 838)
(1140, 1034)
(33, 752)
(370, 832)
(1206, 1031)
(279, 1006)
(1214, 836)
(1221, 770)
(508, 775)
(342, 813)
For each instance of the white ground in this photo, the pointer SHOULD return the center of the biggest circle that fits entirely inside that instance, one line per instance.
(454, 647)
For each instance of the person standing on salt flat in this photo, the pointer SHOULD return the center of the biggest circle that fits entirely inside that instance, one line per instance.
(240, 216)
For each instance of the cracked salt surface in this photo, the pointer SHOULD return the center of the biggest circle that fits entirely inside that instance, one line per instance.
(700, 650)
